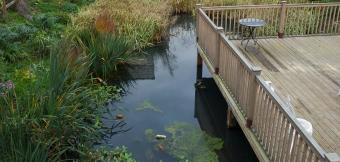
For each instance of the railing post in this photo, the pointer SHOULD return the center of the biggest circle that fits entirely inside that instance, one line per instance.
(253, 95)
(198, 6)
(219, 31)
(4, 8)
(332, 157)
(282, 19)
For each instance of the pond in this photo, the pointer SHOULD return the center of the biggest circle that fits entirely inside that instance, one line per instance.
(166, 101)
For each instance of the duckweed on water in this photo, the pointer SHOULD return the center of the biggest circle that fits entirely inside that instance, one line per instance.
(147, 105)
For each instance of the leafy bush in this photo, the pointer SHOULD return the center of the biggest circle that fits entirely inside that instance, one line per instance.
(45, 21)
(11, 39)
(70, 7)
(24, 31)
(119, 154)
(41, 43)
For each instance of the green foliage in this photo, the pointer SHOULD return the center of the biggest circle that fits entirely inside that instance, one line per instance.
(41, 43)
(190, 144)
(51, 109)
(45, 21)
(70, 7)
(132, 19)
(119, 154)
(11, 38)
(105, 50)
(54, 108)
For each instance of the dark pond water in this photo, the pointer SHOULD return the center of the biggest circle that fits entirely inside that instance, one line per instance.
(167, 102)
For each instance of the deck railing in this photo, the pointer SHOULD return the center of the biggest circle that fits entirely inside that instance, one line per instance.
(6, 5)
(287, 19)
(269, 118)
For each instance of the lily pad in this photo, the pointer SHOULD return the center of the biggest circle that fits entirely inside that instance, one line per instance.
(147, 105)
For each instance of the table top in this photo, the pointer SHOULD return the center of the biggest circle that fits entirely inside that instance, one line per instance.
(252, 22)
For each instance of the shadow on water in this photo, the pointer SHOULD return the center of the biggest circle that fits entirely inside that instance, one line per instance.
(210, 111)
(163, 100)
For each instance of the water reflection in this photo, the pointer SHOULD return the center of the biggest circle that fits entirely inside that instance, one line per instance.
(211, 114)
(171, 97)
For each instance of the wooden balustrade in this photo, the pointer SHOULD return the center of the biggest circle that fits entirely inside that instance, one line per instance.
(287, 19)
(312, 19)
(208, 38)
(229, 17)
(6, 5)
(279, 132)
(269, 118)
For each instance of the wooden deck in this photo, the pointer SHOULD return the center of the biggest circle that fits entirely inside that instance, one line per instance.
(307, 70)
(305, 73)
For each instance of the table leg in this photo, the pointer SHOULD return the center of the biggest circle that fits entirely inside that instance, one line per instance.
(244, 34)
(251, 35)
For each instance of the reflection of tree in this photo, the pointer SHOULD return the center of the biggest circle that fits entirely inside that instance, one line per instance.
(182, 30)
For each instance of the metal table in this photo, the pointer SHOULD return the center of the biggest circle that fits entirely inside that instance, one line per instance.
(250, 25)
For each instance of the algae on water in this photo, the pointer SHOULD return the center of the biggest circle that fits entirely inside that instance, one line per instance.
(188, 143)
(147, 105)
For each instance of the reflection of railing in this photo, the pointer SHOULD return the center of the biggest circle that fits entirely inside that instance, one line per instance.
(288, 19)
(275, 128)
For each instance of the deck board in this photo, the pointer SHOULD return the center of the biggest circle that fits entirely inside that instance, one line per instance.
(308, 70)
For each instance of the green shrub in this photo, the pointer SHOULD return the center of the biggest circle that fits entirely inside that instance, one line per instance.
(41, 43)
(118, 154)
(70, 7)
(11, 39)
(45, 21)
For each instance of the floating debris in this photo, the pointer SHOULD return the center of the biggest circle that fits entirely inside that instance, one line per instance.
(160, 147)
(160, 137)
(119, 116)
(147, 105)
(199, 84)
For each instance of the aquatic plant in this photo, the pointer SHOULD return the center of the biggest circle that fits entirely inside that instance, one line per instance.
(149, 134)
(190, 143)
(187, 143)
(147, 105)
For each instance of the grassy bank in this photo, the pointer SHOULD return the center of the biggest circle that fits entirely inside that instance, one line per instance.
(51, 92)
(142, 22)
